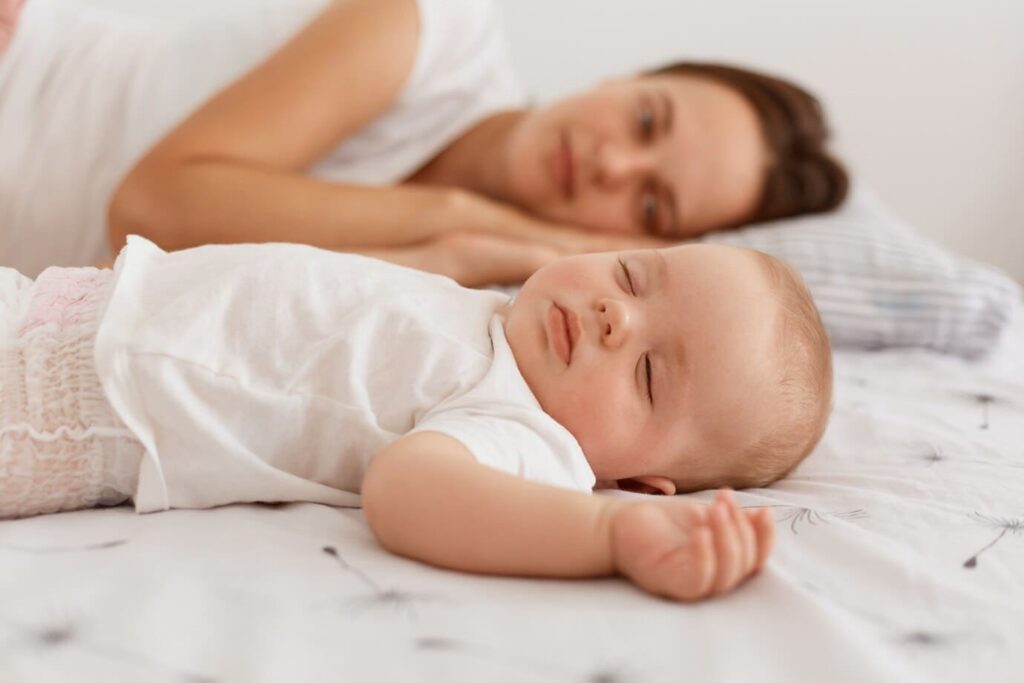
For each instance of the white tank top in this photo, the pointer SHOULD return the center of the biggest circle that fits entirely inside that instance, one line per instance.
(85, 92)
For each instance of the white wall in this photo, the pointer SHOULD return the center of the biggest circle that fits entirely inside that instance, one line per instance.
(926, 98)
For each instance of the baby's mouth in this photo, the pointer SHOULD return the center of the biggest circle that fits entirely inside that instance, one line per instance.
(559, 333)
(572, 328)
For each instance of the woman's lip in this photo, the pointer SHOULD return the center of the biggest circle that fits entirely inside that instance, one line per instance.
(559, 333)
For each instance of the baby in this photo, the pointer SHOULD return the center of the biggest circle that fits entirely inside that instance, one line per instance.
(472, 429)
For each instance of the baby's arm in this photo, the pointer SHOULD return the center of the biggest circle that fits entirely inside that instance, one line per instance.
(426, 497)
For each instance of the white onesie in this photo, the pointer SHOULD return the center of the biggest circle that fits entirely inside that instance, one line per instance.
(275, 373)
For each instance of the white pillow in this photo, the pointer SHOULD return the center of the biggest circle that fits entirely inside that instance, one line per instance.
(879, 283)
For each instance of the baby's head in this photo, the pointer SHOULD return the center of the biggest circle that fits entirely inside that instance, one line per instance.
(677, 369)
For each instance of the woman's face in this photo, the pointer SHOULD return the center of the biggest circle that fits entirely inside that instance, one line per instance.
(666, 155)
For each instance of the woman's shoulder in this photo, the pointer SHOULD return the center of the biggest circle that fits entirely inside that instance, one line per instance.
(466, 14)
(452, 31)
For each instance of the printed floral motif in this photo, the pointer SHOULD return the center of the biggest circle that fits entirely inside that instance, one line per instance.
(796, 516)
(1005, 525)
(386, 598)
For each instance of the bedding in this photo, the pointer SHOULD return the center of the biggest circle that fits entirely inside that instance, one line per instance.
(878, 282)
(900, 557)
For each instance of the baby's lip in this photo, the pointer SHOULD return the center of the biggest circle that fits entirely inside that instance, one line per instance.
(559, 332)
(573, 325)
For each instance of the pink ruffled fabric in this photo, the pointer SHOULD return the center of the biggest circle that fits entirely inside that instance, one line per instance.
(61, 445)
(65, 297)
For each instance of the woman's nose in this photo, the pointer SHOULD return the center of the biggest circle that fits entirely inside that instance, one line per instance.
(613, 317)
(618, 164)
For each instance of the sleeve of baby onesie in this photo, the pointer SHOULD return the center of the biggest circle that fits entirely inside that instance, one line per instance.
(527, 446)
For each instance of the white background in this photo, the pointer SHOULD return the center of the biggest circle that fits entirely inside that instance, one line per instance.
(926, 97)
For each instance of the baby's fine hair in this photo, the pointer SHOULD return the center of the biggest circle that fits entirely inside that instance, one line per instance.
(804, 384)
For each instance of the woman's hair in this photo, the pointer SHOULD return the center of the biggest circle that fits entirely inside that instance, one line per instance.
(802, 177)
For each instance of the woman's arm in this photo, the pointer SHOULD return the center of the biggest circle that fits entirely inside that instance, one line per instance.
(426, 497)
(234, 170)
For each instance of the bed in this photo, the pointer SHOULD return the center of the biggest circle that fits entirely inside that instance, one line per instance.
(900, 557)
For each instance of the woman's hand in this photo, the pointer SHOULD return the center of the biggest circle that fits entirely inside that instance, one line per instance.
(478, 213)
(687, 551)
(471, 259)
(478, 259)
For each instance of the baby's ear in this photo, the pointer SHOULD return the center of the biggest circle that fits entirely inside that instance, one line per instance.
(653, 484)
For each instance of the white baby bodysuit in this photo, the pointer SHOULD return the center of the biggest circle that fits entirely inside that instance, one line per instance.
(275, 373)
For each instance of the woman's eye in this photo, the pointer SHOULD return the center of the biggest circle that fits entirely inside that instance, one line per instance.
(647, 367)
(629, 278)
(646, 121)
(650, 210)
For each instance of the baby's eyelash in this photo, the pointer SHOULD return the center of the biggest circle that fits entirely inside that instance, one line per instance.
(629, 278)
(647, 366)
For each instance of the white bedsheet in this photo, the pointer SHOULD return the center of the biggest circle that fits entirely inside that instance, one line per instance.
(921, 470)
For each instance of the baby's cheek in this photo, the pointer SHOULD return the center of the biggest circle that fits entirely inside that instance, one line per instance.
(601, 422)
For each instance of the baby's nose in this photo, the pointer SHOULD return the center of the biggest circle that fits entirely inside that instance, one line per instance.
(614, 320)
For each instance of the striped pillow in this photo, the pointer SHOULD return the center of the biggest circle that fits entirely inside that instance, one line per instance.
(878, 283)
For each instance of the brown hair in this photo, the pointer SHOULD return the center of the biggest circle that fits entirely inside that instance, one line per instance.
(802, 177)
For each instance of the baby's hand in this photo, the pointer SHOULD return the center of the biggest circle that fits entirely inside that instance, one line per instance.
(687, 551)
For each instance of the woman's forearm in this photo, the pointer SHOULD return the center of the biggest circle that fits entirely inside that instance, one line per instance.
(232, 171)
(432, 501)
(209, 201)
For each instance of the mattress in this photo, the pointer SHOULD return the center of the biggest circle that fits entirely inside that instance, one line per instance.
(900, 557)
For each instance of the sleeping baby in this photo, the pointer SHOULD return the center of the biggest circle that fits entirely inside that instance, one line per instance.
(472, 429)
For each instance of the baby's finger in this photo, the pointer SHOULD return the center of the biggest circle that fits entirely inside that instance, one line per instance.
(764, 524)
(727, 551)
(746, 533)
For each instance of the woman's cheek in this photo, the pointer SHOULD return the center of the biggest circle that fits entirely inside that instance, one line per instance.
(605, 212)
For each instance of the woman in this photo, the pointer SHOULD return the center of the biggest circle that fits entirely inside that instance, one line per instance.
(390, 127)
